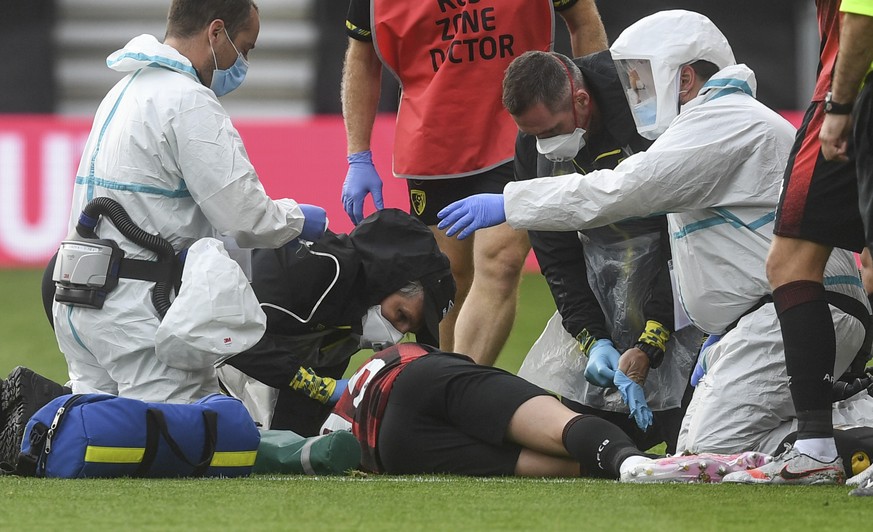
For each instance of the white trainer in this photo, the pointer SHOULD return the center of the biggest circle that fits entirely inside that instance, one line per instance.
(793, 467)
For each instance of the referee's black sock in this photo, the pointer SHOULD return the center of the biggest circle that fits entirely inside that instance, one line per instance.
(810, 353)
(598, 445)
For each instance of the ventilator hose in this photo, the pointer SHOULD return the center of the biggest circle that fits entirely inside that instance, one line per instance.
(114, 211)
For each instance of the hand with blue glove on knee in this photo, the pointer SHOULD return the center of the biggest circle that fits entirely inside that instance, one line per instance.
(469, 214)
(314, 222)
(635, 397)
(361, 179)
(700, 366)
(602, 363)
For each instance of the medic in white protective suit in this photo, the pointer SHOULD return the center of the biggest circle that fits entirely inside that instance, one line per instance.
(716, 168)
(164, 148)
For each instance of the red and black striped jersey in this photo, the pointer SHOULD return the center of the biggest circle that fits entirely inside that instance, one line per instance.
(362, 405)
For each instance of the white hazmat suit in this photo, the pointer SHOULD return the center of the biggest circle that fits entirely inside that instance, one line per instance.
(717, 171)
(164, 148)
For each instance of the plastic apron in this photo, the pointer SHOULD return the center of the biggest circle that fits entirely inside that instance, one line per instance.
(621, 269)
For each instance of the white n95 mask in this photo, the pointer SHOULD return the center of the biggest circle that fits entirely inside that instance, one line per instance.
(378, 332)
(562, 148)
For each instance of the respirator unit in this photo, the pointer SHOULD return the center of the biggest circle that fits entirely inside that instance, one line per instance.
(88, 268)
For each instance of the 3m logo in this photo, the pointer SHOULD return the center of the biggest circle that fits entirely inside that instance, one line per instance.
(419, 201)
(228, 340)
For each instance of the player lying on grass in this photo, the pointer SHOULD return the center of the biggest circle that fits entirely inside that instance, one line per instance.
(418, 410)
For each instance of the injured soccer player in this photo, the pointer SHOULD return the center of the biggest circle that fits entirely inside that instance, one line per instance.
(417, 410)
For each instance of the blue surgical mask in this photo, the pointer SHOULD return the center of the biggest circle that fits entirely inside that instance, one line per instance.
(225, 81)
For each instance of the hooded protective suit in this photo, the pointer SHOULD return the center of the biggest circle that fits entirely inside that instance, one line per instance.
(163, 147)
(608, 280)
(717, 171)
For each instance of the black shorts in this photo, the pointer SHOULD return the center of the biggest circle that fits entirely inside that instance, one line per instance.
(427, 197)
(446, 414)
(863, 137)
(819, 197)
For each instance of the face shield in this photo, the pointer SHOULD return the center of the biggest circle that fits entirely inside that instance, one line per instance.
(653, 100)
(648, 56)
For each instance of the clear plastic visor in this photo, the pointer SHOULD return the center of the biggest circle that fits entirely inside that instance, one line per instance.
(638, 82)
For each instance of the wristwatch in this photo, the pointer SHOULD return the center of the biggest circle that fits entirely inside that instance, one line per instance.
(655, 353)
(833, 108)
(586, 340)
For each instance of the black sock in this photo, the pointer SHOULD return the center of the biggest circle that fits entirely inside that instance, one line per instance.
(598, 445)
(810, 352)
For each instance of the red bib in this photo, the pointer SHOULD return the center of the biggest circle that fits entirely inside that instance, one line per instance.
(449, 56)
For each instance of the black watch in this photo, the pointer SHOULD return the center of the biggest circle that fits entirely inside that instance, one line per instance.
(833, 108)
(586, 340)
(655, 353)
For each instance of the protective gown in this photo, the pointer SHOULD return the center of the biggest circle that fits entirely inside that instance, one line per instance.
(717, 172)
(164, 148)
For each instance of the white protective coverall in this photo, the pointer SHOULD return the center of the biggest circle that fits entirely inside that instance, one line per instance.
(717, 172)
(164, 148)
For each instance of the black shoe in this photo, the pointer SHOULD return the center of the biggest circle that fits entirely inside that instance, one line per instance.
(21, 395)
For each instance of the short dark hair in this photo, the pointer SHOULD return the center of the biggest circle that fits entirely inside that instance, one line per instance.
(539, 77)
(187, 17)
(704, 69)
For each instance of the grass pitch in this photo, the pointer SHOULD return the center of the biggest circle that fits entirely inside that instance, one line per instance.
(385, 502)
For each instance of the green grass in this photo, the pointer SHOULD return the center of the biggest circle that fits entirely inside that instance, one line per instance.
(386, 503)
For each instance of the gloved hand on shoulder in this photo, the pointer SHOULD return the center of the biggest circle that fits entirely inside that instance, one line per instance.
(635, 397)
(602, 363)
(472, 213)
(361, 179)
(314, 222)
(325, 390)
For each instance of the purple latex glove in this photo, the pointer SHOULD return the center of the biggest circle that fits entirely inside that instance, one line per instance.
(699, 368)
(469, 214)
(361, 179)
(314, 222)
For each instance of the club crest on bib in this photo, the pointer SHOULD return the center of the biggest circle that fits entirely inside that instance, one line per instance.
(419, 200)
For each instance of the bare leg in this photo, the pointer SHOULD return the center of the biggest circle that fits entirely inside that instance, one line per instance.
(460, 254)
(867, 271)
(486, 317)
(793, 259)
(534, 464)
(544, 426)
(539, 423)
(795, 270)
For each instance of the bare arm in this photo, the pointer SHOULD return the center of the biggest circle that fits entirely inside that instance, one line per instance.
(855, 56)
(361, 88)
(587, 34)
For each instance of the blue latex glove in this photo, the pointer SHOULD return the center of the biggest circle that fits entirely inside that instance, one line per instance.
(361, 179)
(341, 385)
(469, 214)
(635, 397)
(700, 368)
(602, 363)
(314, 222)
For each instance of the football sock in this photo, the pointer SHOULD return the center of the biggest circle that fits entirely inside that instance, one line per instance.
(598, 445)
(822, 449)
(810, 352)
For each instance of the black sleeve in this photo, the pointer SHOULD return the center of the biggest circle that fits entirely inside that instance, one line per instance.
(562, 261)
(269, 361)
(561, 5)
(660, 306)
(358, 25)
